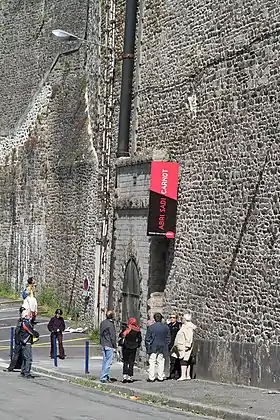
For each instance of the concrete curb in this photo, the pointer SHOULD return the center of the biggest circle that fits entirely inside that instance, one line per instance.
(179, 403)
(11, 302)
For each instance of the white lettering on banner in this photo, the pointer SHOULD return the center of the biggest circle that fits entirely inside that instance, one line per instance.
(164, 181)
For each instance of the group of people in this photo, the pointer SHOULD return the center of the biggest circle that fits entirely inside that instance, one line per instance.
(172, 341)
(25, 334)
(163, 341)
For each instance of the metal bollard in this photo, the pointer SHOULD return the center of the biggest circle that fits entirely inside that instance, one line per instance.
(54, 351)
(86, 357)
(12, 333)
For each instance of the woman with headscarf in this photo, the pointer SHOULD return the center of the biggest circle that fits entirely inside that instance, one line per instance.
(183, 346)
(130, 340)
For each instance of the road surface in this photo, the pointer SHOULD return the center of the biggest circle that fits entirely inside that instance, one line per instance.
(50, 399)
(74, 343)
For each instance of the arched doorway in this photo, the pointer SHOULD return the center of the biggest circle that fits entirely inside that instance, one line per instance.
(131, 292)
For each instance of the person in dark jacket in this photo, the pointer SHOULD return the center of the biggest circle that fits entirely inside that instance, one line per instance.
(16, 359)
(27, 334)
(130, 340)
(157, 342)
(56, 326)
(174, 327)
(108, 341)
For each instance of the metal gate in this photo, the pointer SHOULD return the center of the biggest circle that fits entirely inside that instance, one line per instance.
(131, 292)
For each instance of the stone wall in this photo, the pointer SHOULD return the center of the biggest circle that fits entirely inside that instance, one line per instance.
(49, 204)
(209, 93)
(130, 239)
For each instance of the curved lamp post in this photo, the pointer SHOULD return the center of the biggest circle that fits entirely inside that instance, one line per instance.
(63, 36)
(66, 36)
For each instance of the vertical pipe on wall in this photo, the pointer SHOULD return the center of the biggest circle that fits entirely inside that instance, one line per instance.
(127, 76)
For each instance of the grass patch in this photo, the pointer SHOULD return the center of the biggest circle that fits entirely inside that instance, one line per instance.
(7, 292)
(48, 302)
(94, 336)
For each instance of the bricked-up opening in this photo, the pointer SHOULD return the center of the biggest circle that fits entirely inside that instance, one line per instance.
(131, 292)
(161, 255)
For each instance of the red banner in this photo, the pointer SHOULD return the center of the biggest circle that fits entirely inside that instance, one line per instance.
(163, 199)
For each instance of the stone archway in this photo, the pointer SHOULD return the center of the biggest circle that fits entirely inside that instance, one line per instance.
(131, 292)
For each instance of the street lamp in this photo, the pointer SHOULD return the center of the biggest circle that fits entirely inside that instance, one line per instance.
(67, 36)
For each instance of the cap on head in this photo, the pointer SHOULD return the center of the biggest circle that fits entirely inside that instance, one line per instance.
(58, 312)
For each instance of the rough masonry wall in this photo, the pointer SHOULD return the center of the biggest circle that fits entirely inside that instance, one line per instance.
(130, 239)
(209, 93)
(48, 204)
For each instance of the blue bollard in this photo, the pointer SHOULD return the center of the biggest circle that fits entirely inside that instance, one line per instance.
(54, 351)
(86, 357)
(12, 333)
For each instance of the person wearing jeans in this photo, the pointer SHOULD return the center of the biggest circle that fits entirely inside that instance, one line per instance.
(27, 334)
(108, 341)
(157, 341)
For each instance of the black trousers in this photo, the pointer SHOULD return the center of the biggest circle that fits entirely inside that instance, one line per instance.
(129, 356)
(60, 345)
(175, 368)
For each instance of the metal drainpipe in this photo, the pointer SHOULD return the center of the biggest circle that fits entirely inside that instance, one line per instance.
(127, 76)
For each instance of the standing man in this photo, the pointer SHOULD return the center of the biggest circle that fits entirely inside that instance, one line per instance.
(174, 327)
(27, 335)
(108, 341)
(157, 342)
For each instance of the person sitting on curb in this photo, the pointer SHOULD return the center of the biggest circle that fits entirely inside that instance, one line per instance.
(27, 333)
(56, 326)
(108, 341)
(157, 341)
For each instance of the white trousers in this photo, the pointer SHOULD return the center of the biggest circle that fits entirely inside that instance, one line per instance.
(156, 366)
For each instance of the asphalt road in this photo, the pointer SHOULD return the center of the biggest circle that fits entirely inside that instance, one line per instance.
(73, 342)
(46, 398)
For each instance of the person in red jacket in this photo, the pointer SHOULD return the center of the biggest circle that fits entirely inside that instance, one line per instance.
(56, 326)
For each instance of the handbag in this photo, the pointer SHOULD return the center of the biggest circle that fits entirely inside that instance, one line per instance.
(121, 342)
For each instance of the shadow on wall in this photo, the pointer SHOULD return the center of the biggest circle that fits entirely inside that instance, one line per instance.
(161, 258)
(241, 363)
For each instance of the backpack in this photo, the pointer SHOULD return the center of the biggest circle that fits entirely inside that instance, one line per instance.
(24, 294)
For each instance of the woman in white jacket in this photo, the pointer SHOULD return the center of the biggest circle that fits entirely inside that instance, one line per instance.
(183, 346)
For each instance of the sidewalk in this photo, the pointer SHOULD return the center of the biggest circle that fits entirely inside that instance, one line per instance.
(218, 400)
